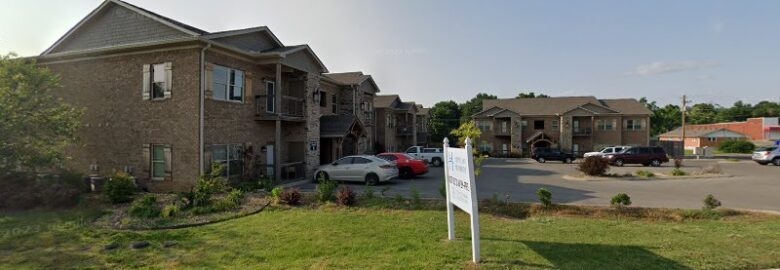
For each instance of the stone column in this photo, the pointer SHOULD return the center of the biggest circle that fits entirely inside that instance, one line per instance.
(313, 114)
(565, 140)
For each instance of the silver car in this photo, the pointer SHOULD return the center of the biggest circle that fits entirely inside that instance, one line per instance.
(766, 155)
(362, 168)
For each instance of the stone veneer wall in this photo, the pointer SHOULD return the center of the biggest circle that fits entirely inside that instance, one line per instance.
(313, 114)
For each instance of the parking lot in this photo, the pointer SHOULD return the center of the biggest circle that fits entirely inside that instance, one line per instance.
(747, 186)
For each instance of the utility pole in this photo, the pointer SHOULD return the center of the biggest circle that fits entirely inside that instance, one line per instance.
(683, 109)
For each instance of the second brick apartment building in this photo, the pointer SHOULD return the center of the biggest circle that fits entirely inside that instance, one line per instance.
(512, 127)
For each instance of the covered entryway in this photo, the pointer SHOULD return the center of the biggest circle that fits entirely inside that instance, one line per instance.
(339, 136)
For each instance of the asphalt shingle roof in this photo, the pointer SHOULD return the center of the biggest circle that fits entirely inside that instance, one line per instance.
(336, 125)
(560, 105)
(385, 101)
(691, 132)
(351, 78)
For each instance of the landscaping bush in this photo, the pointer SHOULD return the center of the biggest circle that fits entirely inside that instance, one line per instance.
(145, 207)
(545, 197)
(644, 173)
(224, 204)
(620, 200)
(737, 146)
(170, 211)
(325, 188)
(290, 196)
(275, 193)
(266, 183)
(208, 185)
(235, 196)
(345, 196)
(710, 203)
(678, 172)
(119, 188)
(594, 166)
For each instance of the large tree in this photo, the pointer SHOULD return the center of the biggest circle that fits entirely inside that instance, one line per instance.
(445, 116)
(473, 106)
(531, 95)
(35, 127)
(703, 113)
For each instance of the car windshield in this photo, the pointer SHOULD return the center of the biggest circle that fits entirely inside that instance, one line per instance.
(606, 150)
(767, 149)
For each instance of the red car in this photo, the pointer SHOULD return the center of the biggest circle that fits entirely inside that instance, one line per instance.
(408, 167)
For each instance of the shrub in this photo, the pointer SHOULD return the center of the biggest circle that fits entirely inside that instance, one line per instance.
(710, 203)
(678, 162)
(235, 196)
(369, 192)
(170, 210)
(208, 185)
(325, 188)
(737, 146)
(644, 173)
(276, 192)
(201, 210)
(145, 207)
(345, 196)
(678, 172)
(290, 196)
(266, 183)
(119, 188)
(594, 166)
(621, 199)
(545, 197)
(224, 204)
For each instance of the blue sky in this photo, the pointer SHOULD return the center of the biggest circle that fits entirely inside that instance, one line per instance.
(433, 50)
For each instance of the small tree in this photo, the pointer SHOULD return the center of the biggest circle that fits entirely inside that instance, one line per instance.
(35, 126)
(545, 197)
(469, 130)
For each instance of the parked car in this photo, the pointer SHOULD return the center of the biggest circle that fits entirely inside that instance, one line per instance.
(645, 155)
(361, 168)
(434, 156)
(408, 166)
(766, 155)
(605, 151)
(542, 155)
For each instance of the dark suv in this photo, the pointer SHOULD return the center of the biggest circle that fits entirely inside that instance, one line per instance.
(645, 155)
(544, 154)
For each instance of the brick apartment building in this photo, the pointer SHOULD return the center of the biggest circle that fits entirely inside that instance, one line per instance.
(396, 123)
(573, 124)
(165, 100)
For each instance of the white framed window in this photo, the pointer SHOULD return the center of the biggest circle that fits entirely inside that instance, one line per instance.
(158, 81)
(159, 158)
(228, 84)
(606, 124)
(484, 125)
(230, 156)
(555, 124)
(270, 97)
(633, 124)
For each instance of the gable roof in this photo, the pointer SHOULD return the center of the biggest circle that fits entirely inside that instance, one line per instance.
(337, 126)
(385, 101)
(352, 78)
(112, 32)
(561, 105)
(422, 110)
(692, 132)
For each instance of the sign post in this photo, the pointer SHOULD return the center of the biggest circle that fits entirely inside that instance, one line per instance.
(461, 190)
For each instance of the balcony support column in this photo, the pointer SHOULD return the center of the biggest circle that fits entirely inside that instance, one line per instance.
(278, 129)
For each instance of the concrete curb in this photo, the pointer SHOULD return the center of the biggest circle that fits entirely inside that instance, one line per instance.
(639, 178)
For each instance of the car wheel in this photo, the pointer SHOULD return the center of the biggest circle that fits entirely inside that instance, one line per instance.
(776, 161)
(320, 174)
(619, 163)
(655, 163)
(406, 173)
(541, 160)
(372, 179)
(567, 160)
(436, 162)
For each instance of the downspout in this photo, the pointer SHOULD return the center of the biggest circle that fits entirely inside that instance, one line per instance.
(201, 114)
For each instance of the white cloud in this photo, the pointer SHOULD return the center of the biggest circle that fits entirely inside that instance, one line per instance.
(670, 67)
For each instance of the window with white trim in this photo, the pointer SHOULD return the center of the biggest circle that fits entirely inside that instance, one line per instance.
(484, 125)
(633, 124)
(228, 84)
(158, 81)
(158, 161)
(606, 124)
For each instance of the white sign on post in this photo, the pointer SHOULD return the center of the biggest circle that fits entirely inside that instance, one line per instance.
(461, 190)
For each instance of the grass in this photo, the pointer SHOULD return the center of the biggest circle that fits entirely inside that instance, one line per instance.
(644, 173)
(375, 237)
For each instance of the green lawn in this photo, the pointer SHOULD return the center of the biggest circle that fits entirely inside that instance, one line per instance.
(362, 238)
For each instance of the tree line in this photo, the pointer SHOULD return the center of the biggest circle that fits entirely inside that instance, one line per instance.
(447, 116)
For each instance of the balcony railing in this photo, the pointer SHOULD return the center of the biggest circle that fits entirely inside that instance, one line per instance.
(290, 106)
(502, 132)
(582, 132)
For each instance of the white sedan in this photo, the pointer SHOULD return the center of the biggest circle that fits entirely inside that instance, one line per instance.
(605, 151)
(361, 168)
